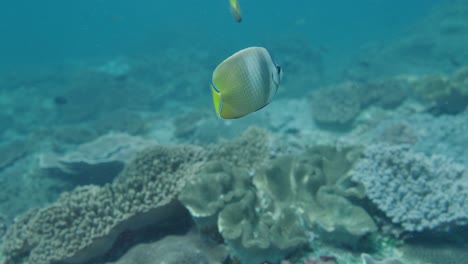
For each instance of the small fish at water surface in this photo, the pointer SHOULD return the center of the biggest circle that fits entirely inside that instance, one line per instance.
(245, 82)
(235, 10)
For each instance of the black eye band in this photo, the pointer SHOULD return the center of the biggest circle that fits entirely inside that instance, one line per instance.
(278, 69)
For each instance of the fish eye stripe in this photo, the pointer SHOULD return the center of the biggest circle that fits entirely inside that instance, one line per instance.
(273, 79)
(215, 88)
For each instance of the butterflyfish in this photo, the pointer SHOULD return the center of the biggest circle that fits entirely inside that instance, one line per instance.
(235, 10)
(245, 82)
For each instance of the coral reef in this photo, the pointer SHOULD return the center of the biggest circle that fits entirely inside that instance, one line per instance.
(253, 236)
(337, 220)
(264, 212)
(223, 197)
(84, 223)
(313, 184)
(416, 191)
(227, 183)
(265, 196)
(444, 135)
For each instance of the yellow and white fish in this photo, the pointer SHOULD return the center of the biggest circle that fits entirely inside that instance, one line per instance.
(235, 10)
(245, 82)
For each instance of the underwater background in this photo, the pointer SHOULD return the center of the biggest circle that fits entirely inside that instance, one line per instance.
(111, 151)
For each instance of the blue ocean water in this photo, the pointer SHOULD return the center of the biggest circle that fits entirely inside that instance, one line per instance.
(53, 31)
(111, 151)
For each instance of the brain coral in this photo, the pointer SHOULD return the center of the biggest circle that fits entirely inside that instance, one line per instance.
(85, 223)
(414, 190)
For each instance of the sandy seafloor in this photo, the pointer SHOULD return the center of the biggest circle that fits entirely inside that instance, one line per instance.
(388, 96)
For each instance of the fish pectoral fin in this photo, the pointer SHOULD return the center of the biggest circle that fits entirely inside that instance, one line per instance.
(217, 100)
